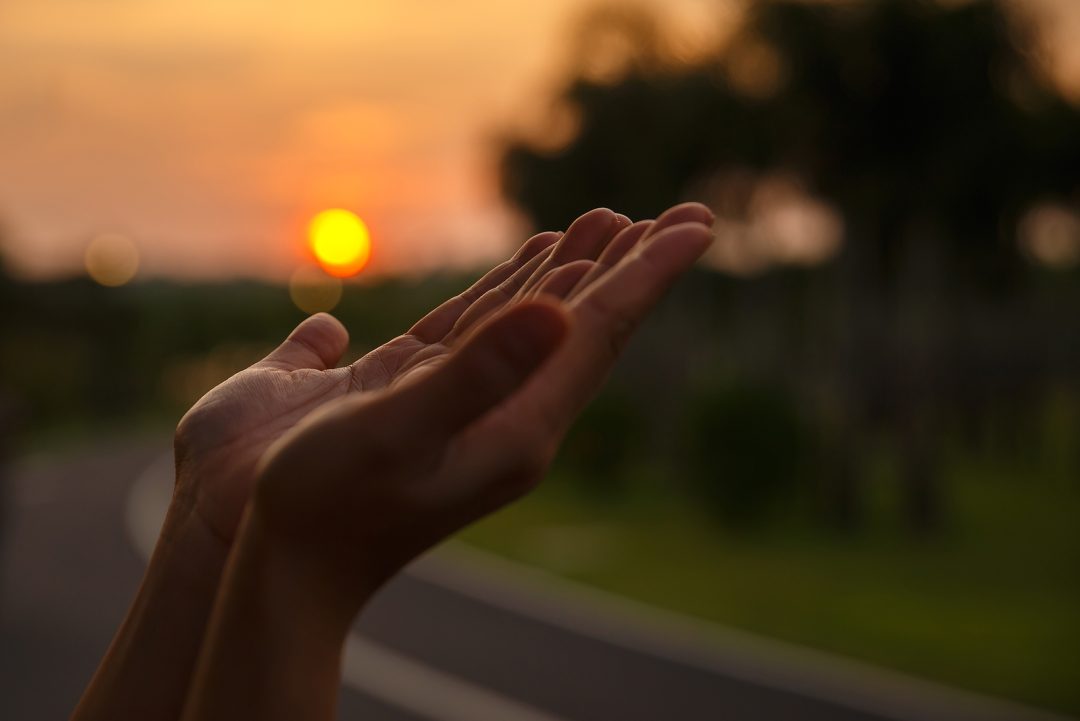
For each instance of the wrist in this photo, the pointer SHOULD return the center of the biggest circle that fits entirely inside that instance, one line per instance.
(327, 546)
(188, 546)
(274, 644)
(309, 581)
(170, 611)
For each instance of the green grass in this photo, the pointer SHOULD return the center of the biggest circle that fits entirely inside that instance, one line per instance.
(991, 605)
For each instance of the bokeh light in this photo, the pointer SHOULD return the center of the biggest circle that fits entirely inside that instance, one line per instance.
(755, 68)
(1049, 234)
(313, 290)
(766, 220)
(111, 259)
(340, 241)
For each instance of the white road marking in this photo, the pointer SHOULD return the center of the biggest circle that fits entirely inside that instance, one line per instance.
(618, 621)
(425, 691)
(147, 501)
(728, 652)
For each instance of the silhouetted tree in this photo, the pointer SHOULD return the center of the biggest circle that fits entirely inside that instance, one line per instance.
(925, 126)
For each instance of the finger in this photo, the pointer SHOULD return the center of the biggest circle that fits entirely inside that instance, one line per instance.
(537, 243)
(584, 239)
(318, 343)
(604, 317)
(528, 428)
(619, 246)
(436, 324)
(629, 237)
(625, 241)
(683, 213)
(489, 367)
(587, 235)
(495, 298)
(486, 470)
(614, 305)
(559, 282)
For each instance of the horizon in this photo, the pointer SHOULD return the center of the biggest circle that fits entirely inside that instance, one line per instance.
(390, 110)
(393, 111)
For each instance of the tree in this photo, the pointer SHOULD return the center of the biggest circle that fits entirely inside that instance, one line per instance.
(926, 127)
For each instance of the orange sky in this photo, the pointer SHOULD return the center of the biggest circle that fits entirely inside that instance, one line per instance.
(210, 131)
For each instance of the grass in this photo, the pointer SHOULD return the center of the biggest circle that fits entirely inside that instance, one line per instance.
(991, 605)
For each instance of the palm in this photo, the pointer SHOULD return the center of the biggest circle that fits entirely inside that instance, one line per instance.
(220, 440)
(401, 470)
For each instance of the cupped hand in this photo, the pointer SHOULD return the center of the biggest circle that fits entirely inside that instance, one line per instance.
(220, 441)
(465, 412)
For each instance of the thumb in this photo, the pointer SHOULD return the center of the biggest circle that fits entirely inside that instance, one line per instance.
(318, 343)
(490, 366)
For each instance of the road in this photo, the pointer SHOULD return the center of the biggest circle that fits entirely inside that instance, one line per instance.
(453, 640)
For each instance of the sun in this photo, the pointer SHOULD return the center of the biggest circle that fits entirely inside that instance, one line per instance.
(340, 241)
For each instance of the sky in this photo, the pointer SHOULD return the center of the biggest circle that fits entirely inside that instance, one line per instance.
(209, 132)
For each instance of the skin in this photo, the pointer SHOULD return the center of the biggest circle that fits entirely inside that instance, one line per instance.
(301, 486)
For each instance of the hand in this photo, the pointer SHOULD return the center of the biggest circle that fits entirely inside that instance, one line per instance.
(221, 439)
(471, 406)
(470, 420)
(275, 414)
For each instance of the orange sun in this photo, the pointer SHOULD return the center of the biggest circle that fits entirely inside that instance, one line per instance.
(340, 241)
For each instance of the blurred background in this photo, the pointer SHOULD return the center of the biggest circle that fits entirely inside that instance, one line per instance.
(855, 426)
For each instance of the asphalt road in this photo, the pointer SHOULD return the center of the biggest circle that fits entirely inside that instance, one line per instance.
(426, 649)
(69, 573)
